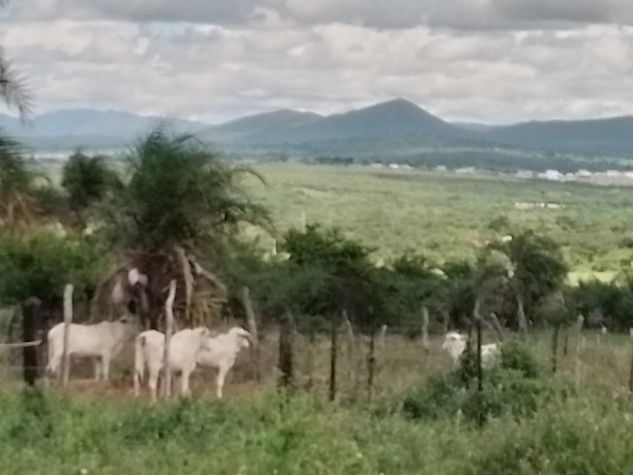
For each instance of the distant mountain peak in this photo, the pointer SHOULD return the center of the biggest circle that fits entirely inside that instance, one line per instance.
(399, 102)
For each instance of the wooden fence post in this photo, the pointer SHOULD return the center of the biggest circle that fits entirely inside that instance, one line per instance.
(425, 330)
(252, 328)
(333, 357)
(555, 348)
(382, 336)
(169, 328)
(579, 323)
(371, 364)
(480, 371)
(351, 349)
(286, 334)
(30, 322)
(497, 326)
(631, 371)
(68, 319)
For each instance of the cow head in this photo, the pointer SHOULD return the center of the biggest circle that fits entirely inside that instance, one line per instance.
(454, 344)
(131, 325)
(244, 338)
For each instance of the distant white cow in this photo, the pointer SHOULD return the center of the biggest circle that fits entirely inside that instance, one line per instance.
(102, 342)
(183, 351)
(455, 345)
(221, 351)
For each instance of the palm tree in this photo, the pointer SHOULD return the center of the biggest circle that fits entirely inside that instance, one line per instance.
(17, 202)
(88, 182)
(180, 202)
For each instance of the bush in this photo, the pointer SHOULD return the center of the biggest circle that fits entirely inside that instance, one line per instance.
(515, 388)
(515, 355)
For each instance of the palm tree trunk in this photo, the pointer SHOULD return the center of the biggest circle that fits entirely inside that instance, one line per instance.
(522, 320)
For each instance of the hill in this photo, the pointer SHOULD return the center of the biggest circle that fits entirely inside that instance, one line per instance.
(393, 129)
(268, 127)
(397, 118)
(70, 128)
(613, 135)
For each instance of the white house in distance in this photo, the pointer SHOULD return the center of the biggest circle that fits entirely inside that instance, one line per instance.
(552, 175)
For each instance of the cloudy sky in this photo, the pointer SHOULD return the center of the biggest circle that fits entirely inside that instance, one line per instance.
(493, 61)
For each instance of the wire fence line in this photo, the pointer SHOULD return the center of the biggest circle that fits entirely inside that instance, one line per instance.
(388, 361)
(25, 344)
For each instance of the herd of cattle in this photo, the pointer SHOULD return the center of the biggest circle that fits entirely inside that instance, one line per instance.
(188, 349)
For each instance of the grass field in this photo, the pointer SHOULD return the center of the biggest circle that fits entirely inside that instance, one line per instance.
(581, 425)
(448, 215)
(101, 429)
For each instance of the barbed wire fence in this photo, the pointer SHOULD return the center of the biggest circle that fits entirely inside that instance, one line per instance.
(356, 367)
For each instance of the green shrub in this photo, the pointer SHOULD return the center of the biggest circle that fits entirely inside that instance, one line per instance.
(516, 355)
(515, 388)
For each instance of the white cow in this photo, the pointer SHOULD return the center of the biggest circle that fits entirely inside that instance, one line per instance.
(221, 351)
(183, 351)
(455, 345)
(102, 342)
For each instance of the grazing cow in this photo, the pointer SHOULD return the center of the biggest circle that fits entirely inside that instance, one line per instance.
(149, 351)
(221, 351)
(102, 342)
(455, 345)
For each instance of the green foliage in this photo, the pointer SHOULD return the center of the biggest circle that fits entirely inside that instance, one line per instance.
(17, 200)
(264, 435)
(537, 267)
(180, 193)
(13, 91)
(517, 356)
(42, 264)
(572, 437)
(343, 270)
(602, 303)
(88, 181)
(514, 388)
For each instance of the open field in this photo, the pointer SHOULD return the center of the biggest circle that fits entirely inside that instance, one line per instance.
(448, 215)
(419, 415)
(100, 429)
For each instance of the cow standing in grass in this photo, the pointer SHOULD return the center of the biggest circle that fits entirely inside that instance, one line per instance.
(102, 342)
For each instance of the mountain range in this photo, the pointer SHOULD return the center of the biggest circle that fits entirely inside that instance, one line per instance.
(390, 126)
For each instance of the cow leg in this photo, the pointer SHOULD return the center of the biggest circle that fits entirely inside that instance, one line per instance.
(184, 383)
(222, 372)
(53, 366)
(152, 382)
(105, 362)
(52, 369)
(138, 376)
(98, 369)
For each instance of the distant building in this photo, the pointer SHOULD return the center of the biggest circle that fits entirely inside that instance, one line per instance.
(466, 170)
(552, 175)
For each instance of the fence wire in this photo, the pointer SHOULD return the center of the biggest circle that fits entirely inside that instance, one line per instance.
(401, 360)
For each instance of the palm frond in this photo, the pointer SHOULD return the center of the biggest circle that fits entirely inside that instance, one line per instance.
(13, 90)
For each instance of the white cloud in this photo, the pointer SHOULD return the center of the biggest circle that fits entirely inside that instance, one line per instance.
(490, 60)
